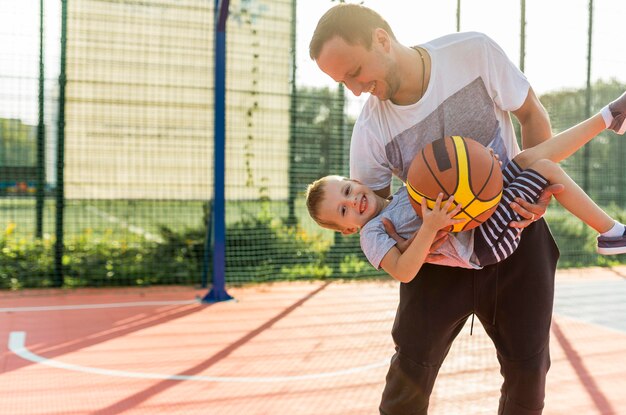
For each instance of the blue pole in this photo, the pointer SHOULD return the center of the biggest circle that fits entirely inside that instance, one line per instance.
(218, 289)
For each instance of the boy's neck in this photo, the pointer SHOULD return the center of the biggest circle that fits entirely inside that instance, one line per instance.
(382, 203)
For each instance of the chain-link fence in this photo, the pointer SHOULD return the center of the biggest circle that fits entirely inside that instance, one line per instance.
(106, 147)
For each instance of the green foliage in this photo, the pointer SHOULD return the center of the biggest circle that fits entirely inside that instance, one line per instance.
(322, 132)
(103, 260)
(347, 259)
(258, 248)
(22, 261)
(91, 260)
(599, 167)
(577, 242)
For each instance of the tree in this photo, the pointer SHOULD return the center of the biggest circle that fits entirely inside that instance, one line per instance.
(321, 135)
(17, 143)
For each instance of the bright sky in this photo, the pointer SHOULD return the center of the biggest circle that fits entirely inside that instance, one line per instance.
(556, 34)
(556, 39)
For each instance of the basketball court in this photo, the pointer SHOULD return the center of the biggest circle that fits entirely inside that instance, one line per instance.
(303, 348)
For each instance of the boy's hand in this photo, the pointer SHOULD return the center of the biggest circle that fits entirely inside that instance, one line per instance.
(495, 155)
(402, 244)
(441, 236)
(531, 212)
(441, 216)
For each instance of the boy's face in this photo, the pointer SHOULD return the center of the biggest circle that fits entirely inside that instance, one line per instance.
(349, 204)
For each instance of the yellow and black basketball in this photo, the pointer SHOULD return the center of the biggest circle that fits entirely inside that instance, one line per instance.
(461, 167)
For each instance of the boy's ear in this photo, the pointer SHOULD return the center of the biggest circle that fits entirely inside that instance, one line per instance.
(349, 231)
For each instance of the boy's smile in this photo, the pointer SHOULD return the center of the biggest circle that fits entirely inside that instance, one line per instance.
(349, 204)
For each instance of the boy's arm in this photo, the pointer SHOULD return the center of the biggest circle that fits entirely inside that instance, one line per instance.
(404, 266)
(402, 244)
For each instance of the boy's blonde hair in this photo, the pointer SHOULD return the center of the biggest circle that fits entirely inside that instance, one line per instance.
(315, 193)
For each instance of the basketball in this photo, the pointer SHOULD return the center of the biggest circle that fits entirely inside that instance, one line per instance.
(457, 166)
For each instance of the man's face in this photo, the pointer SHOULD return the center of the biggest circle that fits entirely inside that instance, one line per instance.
(348, 204)
(361, 70)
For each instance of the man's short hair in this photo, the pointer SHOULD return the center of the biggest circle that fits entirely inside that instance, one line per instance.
(352, 22)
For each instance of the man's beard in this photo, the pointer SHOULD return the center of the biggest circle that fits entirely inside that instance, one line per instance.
(392, 81)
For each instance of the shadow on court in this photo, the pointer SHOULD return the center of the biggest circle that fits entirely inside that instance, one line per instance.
(303, 348)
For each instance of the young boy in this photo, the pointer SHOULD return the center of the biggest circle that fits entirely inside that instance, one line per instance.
(346, 205)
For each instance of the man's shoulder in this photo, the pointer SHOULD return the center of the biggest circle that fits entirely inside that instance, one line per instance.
(460, 38)
(370, 110)
(368, 123)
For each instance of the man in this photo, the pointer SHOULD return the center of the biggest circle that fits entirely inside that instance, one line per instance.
(461, 84)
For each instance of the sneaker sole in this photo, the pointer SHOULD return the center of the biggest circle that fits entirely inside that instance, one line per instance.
(612, 251)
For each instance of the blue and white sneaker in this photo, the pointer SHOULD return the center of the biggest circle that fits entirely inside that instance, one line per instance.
(618, 110)
(612, 245)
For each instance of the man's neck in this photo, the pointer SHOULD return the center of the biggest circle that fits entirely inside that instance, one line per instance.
(414, 74)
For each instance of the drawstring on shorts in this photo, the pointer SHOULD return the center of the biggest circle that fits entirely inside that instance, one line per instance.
(495, 306)
(495, 302)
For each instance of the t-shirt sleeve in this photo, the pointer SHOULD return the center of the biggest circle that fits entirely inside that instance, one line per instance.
(375, 243)
(368, 162)
(506, 83)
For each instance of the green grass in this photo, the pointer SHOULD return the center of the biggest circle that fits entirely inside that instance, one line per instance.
(142, 218)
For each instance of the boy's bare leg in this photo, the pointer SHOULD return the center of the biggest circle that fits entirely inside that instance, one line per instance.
(573, 198)
(563, 144)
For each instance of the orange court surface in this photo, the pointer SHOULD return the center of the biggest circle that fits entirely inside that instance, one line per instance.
(299, 348)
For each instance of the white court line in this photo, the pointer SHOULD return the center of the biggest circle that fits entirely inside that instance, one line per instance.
(17, 340)
(89, 306)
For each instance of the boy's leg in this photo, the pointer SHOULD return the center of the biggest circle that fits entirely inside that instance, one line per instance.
(573, 198)
(432, 310)
(514, 303)
(566, 143)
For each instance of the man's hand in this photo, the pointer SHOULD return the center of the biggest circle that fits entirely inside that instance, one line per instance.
(531, 212)
(402, 244)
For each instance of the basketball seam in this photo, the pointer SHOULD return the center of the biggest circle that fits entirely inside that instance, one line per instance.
(446, 194)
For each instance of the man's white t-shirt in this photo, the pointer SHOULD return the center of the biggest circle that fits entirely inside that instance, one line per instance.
(375, 242)
(473, 85)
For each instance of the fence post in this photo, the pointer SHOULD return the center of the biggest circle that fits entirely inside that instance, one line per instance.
(41, 178)
(587, 148)
(60, 191)
(292, 191)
